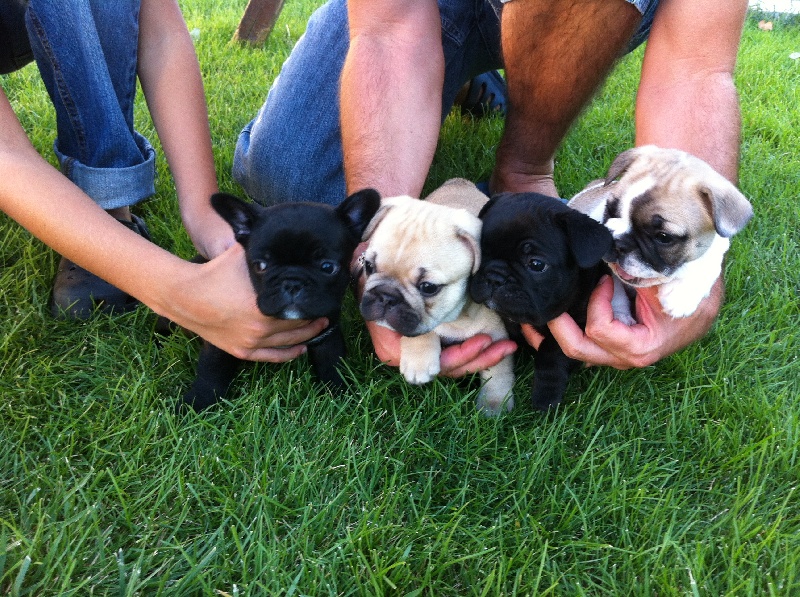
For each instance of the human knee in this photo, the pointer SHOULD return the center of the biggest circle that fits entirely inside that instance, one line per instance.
(269, 172)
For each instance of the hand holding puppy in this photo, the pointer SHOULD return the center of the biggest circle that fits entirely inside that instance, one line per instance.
(608, 341)
(471, 356)
(244, 332)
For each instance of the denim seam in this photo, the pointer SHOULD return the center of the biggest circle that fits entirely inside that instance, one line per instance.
(494, 50)
(66, 98)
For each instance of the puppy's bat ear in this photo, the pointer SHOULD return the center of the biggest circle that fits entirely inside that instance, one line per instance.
(358, 209)
(239, 214)
(729, 208)
(376, 219)
(588, 240)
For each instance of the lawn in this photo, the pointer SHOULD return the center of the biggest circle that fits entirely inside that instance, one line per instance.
(677, 479)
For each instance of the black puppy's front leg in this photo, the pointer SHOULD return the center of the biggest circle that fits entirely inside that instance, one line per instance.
(325, 354)
(552, 374)
(215, 372)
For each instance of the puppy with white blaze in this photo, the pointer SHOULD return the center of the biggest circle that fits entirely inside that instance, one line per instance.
(416, 268)
(298, 255)
(672, 216)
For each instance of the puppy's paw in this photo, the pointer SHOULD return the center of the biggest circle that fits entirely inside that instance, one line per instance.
(418, 369)
(494, 405)
(200, 396)
(545, 396)
(496, 397)
(419, 357)
(622, 304)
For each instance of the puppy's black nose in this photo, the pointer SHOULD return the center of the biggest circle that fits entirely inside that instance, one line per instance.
(291, 287)
(624, 243)
(494, 278)
(387, 298)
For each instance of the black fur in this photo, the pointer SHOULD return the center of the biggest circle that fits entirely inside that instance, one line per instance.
(298, 255)
(539, 259)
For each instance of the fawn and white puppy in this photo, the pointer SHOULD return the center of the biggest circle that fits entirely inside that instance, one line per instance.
(671, 215)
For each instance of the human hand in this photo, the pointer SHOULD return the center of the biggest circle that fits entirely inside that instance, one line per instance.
(607, 341)
(473, 355)
(210, 234)
(216, 300)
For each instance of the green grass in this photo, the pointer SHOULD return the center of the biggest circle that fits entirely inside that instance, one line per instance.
(678, 479)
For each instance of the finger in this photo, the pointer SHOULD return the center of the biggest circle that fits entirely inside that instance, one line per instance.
(295, 335)
(533, 337)
(648, 306)
(458, 355)
(612, 335)
(490, 357)
(386, 344)
(276, 355)
(600, 308)
(473, 355)
(577, 345)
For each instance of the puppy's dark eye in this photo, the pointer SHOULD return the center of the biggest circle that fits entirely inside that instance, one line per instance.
(428, 288)
(259, 266)
(329, 267)
(369, 267)
(536, 265)
(664, 238)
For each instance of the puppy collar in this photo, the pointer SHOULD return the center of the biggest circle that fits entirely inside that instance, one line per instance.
(324, 334)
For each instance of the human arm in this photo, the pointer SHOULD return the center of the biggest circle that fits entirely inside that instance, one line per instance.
(391, 90)
(170, 77)
(214, 300)
(686, 100)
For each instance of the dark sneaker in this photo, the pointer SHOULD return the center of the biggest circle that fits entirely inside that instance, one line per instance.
(484, 95)
(77, 293)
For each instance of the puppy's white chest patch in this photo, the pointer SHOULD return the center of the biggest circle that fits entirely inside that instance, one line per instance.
(681, 295)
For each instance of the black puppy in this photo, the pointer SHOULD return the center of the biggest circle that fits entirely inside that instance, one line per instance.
(298, 255)
(539, 259)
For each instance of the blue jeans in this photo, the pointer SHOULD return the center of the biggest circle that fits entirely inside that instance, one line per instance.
(292, 149)
(86, 51)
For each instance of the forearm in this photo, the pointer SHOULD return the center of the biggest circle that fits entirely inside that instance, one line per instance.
(391, 93)
(687, 99)
(699, 115)
(172, 85)
(58, 213)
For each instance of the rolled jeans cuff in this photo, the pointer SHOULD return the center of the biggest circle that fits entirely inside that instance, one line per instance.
(111, 188)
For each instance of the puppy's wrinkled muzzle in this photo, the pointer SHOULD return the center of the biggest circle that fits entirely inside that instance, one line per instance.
(495, 278)
(385, 305)
(486, 283)
(378, 301)
(292, 287)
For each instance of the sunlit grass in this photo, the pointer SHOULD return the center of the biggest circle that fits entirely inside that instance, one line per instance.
(678, 479)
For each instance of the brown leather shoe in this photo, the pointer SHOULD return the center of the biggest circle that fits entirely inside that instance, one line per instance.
(77, 293)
